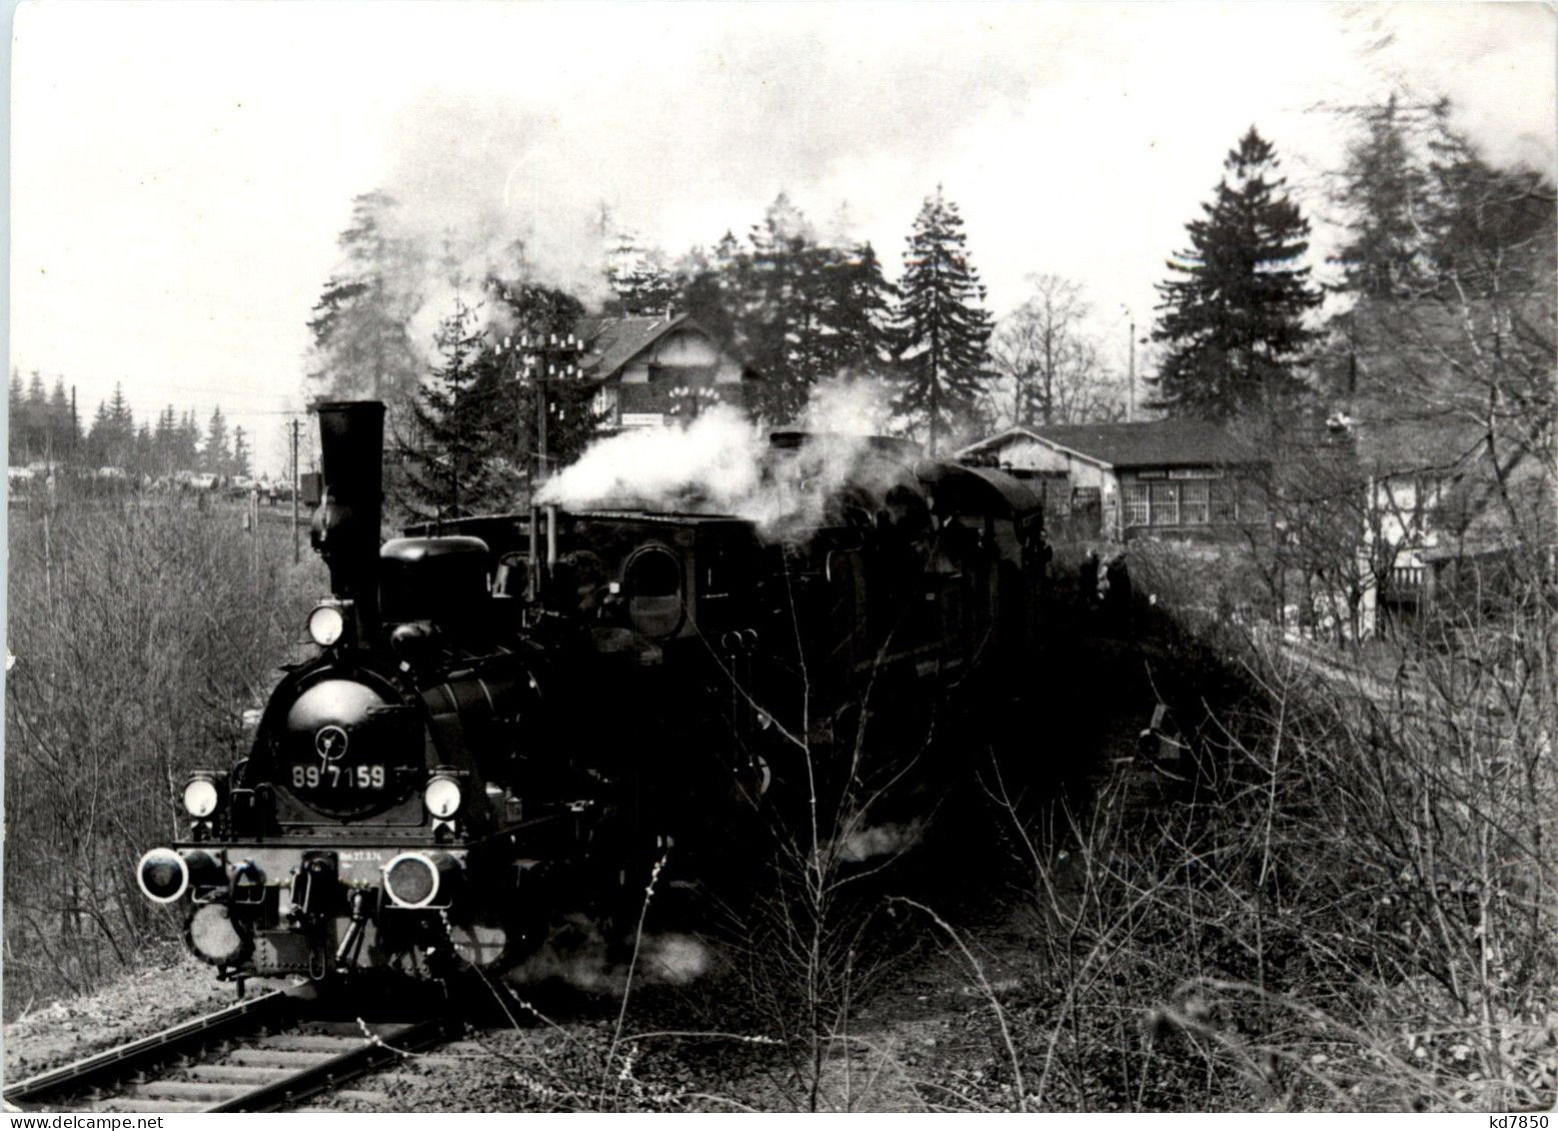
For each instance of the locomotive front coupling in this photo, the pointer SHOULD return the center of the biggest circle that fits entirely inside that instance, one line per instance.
(277, 910)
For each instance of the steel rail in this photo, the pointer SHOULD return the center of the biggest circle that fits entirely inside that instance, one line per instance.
(116, 1061)
(375, 1052)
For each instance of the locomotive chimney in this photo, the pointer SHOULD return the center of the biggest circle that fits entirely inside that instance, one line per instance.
(346, 526)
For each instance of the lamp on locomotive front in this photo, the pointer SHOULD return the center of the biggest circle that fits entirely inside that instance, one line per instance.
(421, 881)
(165, 874)
(204, 796)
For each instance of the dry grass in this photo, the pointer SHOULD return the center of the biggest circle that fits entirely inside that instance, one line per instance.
(139, 631)
(1342, 896)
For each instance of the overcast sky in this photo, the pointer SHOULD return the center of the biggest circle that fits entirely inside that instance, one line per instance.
(180, 171)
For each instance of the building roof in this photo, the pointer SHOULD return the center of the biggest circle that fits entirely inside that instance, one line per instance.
(1143, 443)
(611, 342)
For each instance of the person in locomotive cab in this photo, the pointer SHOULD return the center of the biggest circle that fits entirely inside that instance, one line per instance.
(583, 589)
(1117, 595)
(905, 514)
(591, 588)
(1087, 580)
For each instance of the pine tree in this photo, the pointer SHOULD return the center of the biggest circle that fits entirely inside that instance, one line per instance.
(37, 418)
(707, 290)
(1383, 189)
(944, 329)
(1233, 324)
(165, 442)
(99, 438)
(448, 474)
(62, 425)
(362, 345)
(216, 457)
(1470, 342)
(112, 439)
(857, 314)
(240, 462)
(1490, 228)
(779, 290)
(638, 277)
(140, 461)
(795, 309)
(186, 445)
(119, 408)
(18, 420)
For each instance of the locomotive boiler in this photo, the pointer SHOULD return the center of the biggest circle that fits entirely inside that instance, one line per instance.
(511, 718)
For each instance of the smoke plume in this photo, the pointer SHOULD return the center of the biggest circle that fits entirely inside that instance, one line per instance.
(721, 463)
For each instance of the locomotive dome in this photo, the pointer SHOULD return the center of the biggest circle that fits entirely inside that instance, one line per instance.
(343, 704)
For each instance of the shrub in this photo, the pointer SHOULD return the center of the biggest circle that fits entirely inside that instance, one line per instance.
(1343, 896)
(139, 631)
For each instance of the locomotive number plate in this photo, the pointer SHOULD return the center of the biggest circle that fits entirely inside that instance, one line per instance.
(330, 775)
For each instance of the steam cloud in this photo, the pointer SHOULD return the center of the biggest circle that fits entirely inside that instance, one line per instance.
(721, 463)
(577, 954)
(879, 841)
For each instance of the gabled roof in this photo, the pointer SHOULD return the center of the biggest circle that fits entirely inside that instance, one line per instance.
(611, 342)
(1142, 443)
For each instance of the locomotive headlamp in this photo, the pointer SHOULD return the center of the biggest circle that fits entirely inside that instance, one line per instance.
(163, 875)
(326, 624)
(201, 796)
(443, 797)
(419, 880)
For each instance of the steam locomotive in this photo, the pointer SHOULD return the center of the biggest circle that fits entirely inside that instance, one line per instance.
(515, 716)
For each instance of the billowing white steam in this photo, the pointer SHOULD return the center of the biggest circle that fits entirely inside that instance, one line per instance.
(880, 840)
(577, 953)
(721, 463)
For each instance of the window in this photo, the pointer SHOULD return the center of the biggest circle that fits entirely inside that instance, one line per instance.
(1193, 502)
(652, 584)
(1222, 502)
(1135, 504)
(1187, 502)
(605, 406)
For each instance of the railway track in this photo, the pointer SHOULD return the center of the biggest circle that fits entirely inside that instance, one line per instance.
(265, 1054)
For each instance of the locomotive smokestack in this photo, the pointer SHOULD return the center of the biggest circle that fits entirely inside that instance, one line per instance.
(346, 526)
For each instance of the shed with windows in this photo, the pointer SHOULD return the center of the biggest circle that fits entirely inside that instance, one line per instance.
(1177, 479)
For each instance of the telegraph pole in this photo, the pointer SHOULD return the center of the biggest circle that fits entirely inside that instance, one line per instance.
(296, 550)
(546, 359)
(1130, 411)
